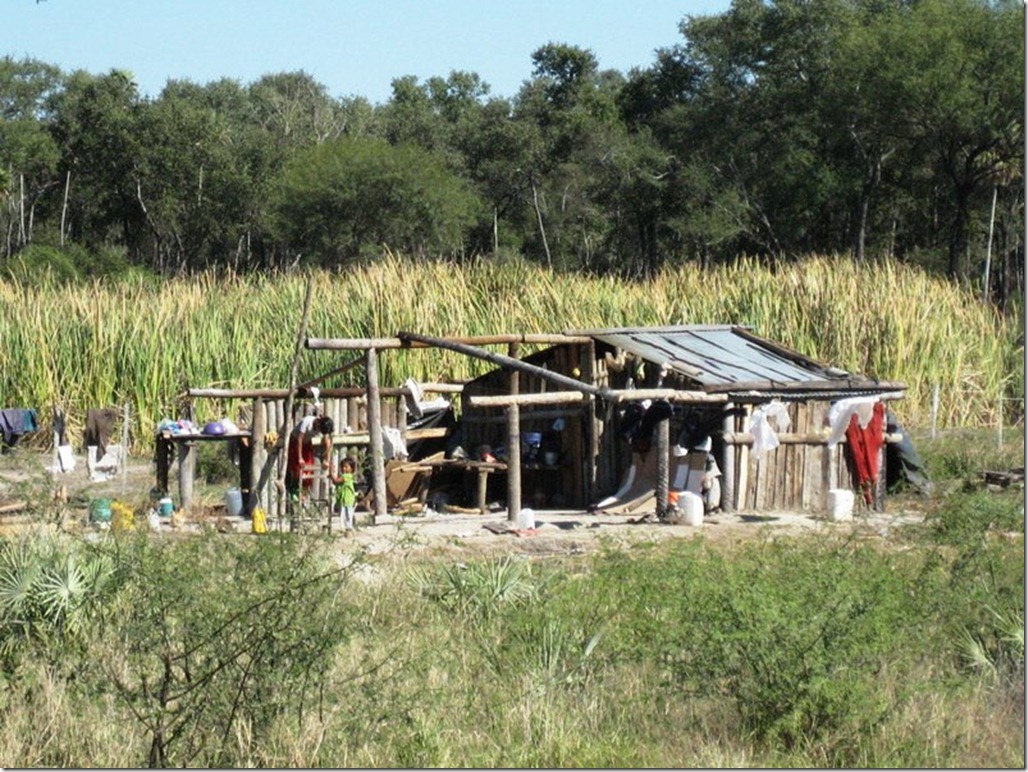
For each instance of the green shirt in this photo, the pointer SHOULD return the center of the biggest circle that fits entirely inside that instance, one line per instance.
(346, 490)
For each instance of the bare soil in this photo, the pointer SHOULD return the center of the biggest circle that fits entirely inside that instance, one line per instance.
(62, 499)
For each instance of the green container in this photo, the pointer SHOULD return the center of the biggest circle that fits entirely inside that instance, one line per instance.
(100, 511)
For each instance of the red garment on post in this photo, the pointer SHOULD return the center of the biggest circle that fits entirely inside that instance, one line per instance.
(865, 445)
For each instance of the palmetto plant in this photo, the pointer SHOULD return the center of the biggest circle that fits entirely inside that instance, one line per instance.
(477, 588)
(49, 585)
(999, 649)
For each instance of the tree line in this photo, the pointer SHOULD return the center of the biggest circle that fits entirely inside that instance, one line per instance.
(778, 128)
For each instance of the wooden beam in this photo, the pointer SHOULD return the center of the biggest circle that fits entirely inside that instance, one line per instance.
(355, 344)
(542, 398)
(786, 438)
(671, 395)
(358, 344)
(611, 395)
(334, 371)
(301, 391)
(363, 438)
(504, 361)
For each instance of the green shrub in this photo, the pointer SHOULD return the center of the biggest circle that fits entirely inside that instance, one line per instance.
(40, 265)
(210, 637)
(964, 517)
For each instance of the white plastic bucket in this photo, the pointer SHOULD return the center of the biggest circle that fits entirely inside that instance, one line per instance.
(526, 519)
(691, 507)
(234, 502)
(840, 504)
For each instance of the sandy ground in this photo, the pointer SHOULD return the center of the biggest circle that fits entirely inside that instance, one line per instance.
(573, 533)
(25, 476)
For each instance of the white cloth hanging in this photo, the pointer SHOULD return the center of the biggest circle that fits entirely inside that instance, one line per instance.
(839, 415)
(764, 437)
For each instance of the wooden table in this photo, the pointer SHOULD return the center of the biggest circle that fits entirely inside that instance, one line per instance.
(185, 446)
(481, 468)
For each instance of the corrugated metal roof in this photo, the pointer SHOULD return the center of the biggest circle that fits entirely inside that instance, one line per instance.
(719, 356)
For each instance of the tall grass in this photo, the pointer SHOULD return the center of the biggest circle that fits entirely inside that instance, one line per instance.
(109, 343)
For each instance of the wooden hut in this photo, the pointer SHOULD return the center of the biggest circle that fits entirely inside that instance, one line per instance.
(712, 376)
(566, 425)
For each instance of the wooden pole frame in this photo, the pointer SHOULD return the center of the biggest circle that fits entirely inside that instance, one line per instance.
(375, 435)
(513, 441)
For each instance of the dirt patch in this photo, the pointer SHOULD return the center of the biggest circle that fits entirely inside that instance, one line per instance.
(26, 475)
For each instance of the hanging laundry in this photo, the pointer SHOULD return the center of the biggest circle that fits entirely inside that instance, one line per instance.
(99, 424)
(865, 444)
(764, 437)
(16, 421)
(840, 412)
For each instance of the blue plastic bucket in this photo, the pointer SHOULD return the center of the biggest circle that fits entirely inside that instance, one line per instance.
(234, 502)
(165, 507)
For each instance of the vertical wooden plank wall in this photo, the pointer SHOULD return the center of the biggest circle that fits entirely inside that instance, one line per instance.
(794, 477)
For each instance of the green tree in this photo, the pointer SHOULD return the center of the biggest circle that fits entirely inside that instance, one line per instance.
(958, 64)
(343, 198)
(96, 127)
(28, 154)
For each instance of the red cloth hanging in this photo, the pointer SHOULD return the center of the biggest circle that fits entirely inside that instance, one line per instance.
(865, 445)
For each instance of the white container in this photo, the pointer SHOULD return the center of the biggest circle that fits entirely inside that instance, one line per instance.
(526, 519)
(691, 507)
(840, 505)
(234, 502)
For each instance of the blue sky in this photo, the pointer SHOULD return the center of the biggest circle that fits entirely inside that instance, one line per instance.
(353, 47)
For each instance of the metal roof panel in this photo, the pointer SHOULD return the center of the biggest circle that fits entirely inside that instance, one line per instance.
(716, 355)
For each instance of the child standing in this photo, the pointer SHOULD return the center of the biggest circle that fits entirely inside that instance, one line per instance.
(346, 492)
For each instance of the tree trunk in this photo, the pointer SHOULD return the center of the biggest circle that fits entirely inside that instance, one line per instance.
(542, 230)
(862, 228)
(958, 235)
(988, 248)
(64, 205)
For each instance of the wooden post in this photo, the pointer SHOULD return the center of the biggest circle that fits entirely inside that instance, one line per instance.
(728, 464)
(287, 420)
(481, 490)
(246, 478)
(879, 490)
(513, 462)
(742, 479)
(828, 473)
(513, 434)
(163, 462)
(401, 421)
(257, 454)
(186, 470)
(591, 419)
(662, 450)
(375, 436)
